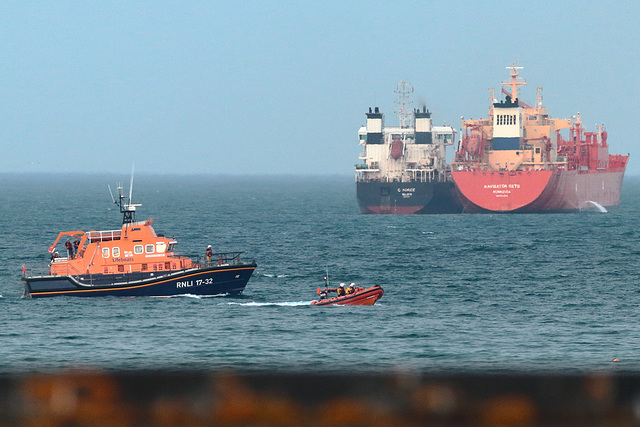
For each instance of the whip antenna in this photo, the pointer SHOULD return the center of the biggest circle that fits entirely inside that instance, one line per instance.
(131, 185)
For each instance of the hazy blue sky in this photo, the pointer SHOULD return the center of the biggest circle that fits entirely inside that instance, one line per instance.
(282, 87)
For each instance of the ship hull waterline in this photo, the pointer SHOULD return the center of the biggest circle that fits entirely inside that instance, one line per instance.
(537, 191)
(209, 281)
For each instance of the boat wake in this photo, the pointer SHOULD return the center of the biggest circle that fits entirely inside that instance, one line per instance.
(266, 304)
(190, 296)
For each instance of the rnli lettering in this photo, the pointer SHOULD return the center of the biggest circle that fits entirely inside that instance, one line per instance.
(193, 283)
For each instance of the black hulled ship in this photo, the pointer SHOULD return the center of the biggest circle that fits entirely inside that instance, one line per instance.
(404, 168)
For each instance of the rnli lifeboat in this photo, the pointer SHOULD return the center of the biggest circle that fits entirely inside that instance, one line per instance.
(360, 296)
(132, 261)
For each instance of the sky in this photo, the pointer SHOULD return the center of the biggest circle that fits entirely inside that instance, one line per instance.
(272, 88)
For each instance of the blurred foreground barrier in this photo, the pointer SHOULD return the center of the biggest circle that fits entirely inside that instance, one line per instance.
(95, 398)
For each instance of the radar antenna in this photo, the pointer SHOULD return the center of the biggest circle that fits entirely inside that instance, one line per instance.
(403, 89)
(515, 82)
(127, 209)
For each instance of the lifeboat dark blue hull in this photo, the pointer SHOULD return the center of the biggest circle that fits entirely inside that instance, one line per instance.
(362, 296)
(217, 280)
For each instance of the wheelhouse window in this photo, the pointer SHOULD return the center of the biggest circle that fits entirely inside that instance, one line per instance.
(160, 247)
(116, 252)
(105, 252)
(149, 249)
(137, 249)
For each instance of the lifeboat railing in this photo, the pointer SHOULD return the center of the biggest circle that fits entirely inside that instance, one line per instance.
(103, 236)
(41, 271)
(218, 259)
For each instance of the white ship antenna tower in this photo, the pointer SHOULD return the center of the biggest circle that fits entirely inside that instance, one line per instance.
(403, 89)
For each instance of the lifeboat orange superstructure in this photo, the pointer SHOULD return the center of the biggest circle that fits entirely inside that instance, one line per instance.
(134, 248)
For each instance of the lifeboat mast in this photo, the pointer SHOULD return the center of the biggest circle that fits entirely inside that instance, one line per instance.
(128, 210)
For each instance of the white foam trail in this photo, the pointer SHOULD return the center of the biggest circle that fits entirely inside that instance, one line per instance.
(265, 304)
(189, 296)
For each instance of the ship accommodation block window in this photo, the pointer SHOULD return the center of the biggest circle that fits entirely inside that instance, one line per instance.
(137, 249)
(149, 249)
(116, 252)
(121, 268)
(160, 247)
(506, 119)
(144, 267)
(105, 252)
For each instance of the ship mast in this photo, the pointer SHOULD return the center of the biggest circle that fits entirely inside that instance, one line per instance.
(128, 208)
(515, 82)
(403, 89)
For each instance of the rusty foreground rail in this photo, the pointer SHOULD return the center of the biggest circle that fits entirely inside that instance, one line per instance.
(96, 398)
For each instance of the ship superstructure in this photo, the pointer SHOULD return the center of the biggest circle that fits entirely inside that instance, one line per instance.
(518, 160)
(404, 168)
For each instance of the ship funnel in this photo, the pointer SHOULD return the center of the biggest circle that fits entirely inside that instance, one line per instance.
(422, 125)
(375, 127)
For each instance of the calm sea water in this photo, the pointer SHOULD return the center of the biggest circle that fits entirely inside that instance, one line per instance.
(488, 293)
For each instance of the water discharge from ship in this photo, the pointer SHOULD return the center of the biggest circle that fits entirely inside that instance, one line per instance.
(596, 205)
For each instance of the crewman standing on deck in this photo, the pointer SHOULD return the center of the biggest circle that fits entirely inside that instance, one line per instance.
(209, 253)
(69, 247)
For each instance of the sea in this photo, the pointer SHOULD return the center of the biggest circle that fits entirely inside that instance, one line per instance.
(488, 293)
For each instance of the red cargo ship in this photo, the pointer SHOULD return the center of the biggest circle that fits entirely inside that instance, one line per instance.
(517, 161)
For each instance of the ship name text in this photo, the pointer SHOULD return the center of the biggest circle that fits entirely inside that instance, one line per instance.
(406, 192)
(499, 186)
